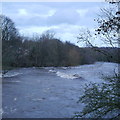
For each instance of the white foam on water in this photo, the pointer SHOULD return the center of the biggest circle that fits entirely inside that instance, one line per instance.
(11, 74)
(14, 81)
(15, 99)
(68, 76)
(38, 99)
(0, 75)
(12, 110)
(64, 68)
(52, 71)
(92, 72)
(1, 111)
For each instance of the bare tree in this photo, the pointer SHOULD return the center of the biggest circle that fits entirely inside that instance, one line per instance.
(102, 100)
(108, 27)
(8, 28)
(48, 35)
(11, 42)
(108, 31)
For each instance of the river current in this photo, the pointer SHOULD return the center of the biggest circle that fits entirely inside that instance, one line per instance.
(49, 92)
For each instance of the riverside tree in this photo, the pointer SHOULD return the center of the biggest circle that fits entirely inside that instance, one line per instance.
(11, 42)
(39, 50)
(102, 100)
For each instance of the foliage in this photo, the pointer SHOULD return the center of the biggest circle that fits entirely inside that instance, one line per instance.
(109, 24)
(107, 32)
(102, 99)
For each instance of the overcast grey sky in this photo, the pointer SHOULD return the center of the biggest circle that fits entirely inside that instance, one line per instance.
(64, 18)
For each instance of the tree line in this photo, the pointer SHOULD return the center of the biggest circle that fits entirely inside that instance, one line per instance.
(44, 50)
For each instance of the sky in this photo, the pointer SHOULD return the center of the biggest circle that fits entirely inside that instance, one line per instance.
(65, 19)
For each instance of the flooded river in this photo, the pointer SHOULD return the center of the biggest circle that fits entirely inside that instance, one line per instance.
(48, 92)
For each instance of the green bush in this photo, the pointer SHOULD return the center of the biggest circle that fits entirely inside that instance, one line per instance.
(101, 100)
